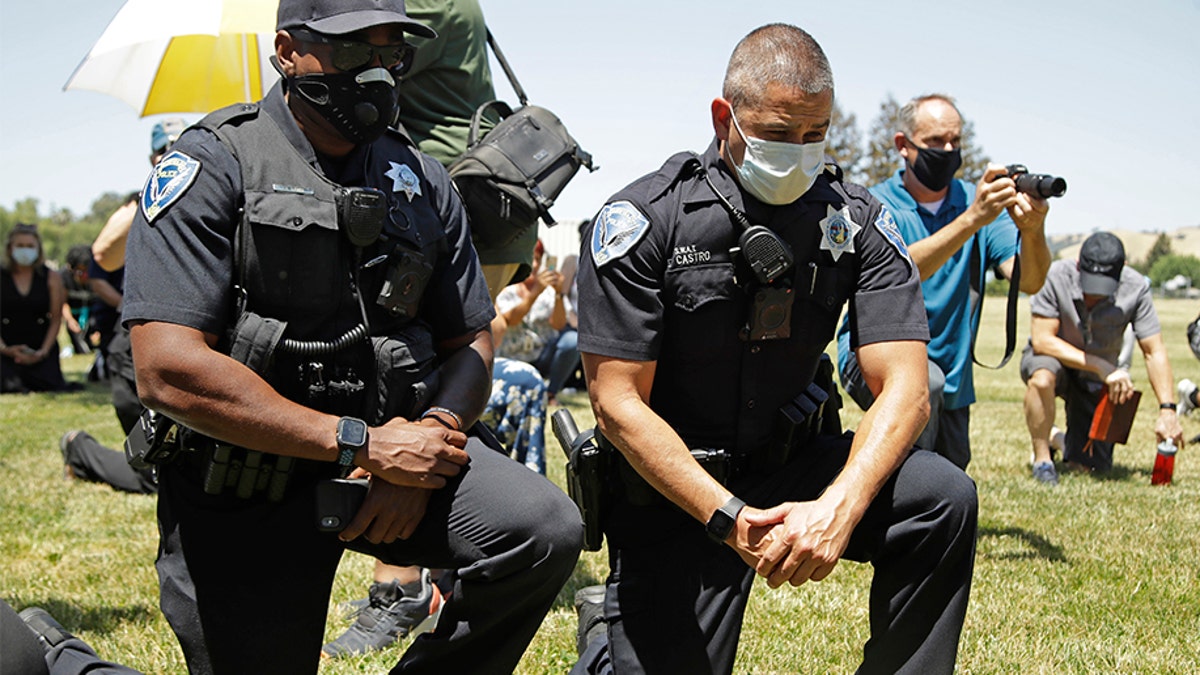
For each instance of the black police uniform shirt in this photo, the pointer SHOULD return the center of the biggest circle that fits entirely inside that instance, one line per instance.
(182, 267)
(657, 283)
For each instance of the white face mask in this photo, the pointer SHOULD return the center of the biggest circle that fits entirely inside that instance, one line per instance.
(777, 172)
(25, 255)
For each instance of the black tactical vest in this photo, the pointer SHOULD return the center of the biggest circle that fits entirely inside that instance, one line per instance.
(295, 266)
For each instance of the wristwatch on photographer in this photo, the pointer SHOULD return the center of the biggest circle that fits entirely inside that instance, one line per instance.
(352, 436)
(723, 519)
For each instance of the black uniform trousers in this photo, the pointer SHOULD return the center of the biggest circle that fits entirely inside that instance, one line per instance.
(245, 584)
(675, 600)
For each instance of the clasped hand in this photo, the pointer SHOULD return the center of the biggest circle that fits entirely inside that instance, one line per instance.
(792, 542)
(415, 454)
(389, 512)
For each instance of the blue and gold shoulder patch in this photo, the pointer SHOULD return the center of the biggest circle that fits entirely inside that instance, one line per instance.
(172, 176)
(619, 226)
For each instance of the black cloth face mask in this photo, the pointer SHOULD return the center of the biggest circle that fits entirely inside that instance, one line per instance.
(360, 105)
(935, 168)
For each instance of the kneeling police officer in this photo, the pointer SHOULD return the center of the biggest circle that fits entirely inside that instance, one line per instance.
(304, 301)
(711, 289)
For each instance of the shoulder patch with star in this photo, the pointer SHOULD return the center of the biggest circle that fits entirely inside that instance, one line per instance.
(171, 177)
(619, 226)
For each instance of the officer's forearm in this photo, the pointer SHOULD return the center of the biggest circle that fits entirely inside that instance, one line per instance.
(890, 425)
(466, 376)
(650, 445)
(180, 375)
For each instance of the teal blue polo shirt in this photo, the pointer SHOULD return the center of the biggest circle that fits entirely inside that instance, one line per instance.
(947, 291)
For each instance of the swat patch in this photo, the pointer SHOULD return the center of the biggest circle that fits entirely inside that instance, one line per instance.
(887, 227)
(619, 226)
(172, 176)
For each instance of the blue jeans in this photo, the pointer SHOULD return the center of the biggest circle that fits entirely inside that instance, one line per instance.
(559, 359)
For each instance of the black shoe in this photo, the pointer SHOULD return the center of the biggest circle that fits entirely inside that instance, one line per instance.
(589, 603)
(49, 632)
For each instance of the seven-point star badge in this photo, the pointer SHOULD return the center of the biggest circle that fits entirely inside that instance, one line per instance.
(404, 180)
(839, 232)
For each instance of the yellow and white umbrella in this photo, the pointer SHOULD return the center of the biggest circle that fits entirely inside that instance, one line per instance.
(180, 56)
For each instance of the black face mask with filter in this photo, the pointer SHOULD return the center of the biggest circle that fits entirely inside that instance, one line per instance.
(360, 105)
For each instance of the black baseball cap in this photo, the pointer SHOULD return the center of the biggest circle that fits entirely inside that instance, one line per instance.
(338, 17)
(1101, 260)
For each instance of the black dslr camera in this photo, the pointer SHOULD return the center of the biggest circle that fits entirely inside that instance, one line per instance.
(1041, 185)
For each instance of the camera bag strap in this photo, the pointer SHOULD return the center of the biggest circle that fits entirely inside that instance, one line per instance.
(1010, 313)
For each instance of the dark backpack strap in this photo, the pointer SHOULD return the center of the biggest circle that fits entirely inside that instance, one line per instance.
(512, 77)
(1010, 313)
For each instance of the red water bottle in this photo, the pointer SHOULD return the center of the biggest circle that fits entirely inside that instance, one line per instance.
(1164, 463)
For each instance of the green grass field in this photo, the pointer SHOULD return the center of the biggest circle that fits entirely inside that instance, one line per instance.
(1100, 575)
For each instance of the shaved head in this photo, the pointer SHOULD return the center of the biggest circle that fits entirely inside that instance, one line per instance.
(775, 54)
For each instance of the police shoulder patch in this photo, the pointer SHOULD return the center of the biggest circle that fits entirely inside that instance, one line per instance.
(619, 226)
(887, 227)
(171, 177)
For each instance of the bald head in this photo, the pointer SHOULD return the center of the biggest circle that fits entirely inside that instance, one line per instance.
(775, 54)
(937, 107)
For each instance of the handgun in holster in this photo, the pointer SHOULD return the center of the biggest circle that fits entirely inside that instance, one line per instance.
(588, 468)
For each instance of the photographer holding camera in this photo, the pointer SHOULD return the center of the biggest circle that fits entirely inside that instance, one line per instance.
(945, 221)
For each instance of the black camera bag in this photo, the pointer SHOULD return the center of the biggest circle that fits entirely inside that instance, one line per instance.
(510, 177)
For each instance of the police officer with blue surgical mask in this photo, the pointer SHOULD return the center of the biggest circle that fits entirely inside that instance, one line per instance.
(710, 290)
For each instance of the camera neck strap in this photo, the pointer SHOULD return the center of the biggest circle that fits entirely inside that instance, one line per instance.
(1010, 313)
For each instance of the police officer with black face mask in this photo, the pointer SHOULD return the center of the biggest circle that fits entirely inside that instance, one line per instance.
(304, 302)
(946, 221)
(709, 292)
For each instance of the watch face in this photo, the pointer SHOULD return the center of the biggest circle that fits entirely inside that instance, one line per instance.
(352, 432)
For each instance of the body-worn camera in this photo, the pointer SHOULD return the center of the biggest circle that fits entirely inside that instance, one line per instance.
(771, 314)
(1041, 185)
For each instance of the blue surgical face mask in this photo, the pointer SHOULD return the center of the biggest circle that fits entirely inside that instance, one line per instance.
(25, 255)
(776, 172)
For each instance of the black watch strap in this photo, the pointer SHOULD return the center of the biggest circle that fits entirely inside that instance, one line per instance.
(723, 520)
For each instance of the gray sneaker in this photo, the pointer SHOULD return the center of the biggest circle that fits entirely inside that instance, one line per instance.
(1044, 472)
(388, 617)
(589, 603)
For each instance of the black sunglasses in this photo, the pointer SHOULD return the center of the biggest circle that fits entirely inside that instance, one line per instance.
(353, 54)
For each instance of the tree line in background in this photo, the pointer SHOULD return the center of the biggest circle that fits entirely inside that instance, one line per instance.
(865, 161)
(62, 229)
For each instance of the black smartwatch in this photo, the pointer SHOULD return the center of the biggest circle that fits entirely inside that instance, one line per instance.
(723, 519)
(352, 436)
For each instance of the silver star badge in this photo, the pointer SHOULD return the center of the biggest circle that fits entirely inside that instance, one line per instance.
(404, 180)
(839, 232)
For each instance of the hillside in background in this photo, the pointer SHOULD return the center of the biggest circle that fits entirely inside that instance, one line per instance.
(1184, 241)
